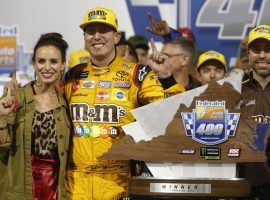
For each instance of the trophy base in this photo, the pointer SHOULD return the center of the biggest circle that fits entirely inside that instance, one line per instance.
(153, 187)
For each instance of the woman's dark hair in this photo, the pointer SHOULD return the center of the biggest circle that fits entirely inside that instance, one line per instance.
(55, 39)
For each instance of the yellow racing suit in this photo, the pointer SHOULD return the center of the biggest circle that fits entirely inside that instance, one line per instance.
(100, 102)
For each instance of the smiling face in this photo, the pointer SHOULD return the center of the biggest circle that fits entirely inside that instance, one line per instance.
(259, 57)
(100, 40)
(48, 64)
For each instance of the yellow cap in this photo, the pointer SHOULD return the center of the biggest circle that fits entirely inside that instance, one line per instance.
(100, 15)
(262, 31)
(78, 57)
(211, 55)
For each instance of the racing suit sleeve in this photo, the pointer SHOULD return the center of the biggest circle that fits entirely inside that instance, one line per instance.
(153, 89)
(174, 34)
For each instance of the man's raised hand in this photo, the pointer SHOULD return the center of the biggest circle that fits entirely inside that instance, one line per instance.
(159, 62)
(159, 27)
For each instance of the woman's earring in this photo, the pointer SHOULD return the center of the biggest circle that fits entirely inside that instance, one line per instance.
(38, 81)
(61, 75)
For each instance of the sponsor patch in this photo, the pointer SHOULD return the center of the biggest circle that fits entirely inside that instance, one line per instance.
(88, 84)
(251, 102)
(79, 95)
(248, 102)
(186, 151)
(97, 14)
(75, 86)
(122, 84)
(261, 119)
(262, 30)
(81, 75)
(210, 153)
(119, 95)
(104, 84)
(122, 74)
(142, 73)
(234, 153)
(99, 113)
(96, 131)
(127, 66)
(120, 79)
(210, 123)
(103, 96)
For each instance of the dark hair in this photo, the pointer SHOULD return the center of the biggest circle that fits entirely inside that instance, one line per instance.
(139, 41)
(132, 51)
(55, 39)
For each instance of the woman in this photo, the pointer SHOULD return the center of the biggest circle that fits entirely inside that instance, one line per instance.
(34, 129)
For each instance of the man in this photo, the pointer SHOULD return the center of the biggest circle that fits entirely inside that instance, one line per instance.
(101, 96)
(211, 66)
(161, 28)
(255, 105)
(141, 46)
(181, 53)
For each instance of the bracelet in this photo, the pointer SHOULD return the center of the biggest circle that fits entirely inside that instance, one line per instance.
(3, 128)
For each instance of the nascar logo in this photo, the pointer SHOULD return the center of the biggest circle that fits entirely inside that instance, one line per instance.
(210, 123)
